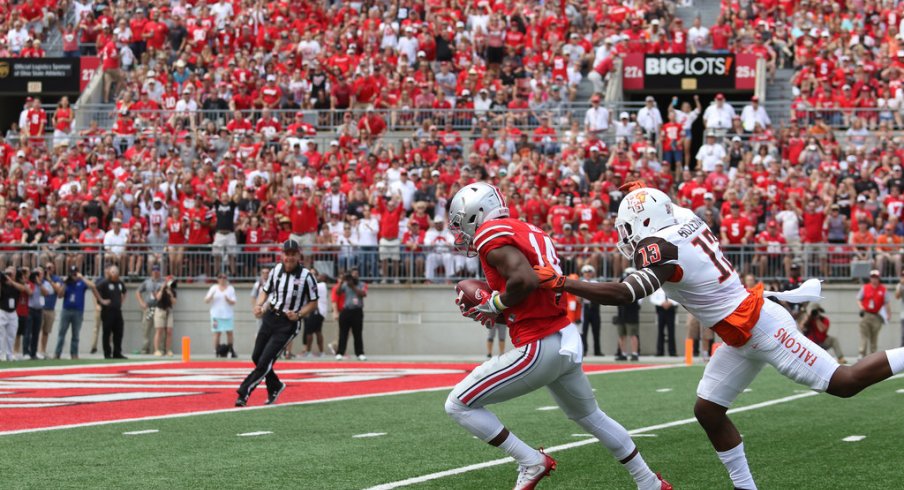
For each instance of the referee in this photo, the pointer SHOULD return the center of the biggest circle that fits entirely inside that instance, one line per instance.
(289, 295)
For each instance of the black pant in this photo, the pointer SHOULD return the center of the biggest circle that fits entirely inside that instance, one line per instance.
(30, 342)
(351, 319)
(666, 322)
(111, 323)
(592, 320)
(275, 333)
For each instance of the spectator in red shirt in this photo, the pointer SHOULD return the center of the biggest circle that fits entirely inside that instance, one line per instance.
(303, 213)
(390, 215)
(737, 232)
(771, 251)
(90, 237)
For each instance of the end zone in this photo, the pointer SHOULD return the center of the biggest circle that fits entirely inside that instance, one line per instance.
(39, 399)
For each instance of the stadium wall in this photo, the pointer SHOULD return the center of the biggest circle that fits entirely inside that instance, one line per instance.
(423, 320)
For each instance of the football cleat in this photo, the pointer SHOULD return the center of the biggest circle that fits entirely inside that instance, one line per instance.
(529, 476)
(271, 397)
(241, 401)
(665, 485)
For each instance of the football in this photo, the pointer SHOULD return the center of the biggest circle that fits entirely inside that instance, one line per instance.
(472, 292)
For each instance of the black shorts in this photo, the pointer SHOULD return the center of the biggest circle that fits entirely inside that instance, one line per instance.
(313, 323)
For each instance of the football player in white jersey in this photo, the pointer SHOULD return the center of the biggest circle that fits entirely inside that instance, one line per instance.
(683, 258)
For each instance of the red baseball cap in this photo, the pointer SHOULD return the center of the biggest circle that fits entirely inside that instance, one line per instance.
(772, 222)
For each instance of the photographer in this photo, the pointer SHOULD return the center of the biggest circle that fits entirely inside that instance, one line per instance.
(73, 292)
(815, 325)
(38, 290)
(352, 315)
(146, 294)
(163, 316)
(10, 289)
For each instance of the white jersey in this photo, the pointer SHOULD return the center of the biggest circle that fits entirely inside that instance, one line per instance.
(706, 285)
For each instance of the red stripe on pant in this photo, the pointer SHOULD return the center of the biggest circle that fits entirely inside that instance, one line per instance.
(532, 352)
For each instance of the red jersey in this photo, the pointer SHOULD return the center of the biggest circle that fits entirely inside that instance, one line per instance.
(540, 314)
(735, 228)
(176, 231)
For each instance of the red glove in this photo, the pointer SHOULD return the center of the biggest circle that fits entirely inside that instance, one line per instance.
(549, 277)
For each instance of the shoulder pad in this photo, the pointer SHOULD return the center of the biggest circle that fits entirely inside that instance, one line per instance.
(654, 250)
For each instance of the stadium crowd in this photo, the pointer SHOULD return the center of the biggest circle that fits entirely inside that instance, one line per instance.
(211, 145)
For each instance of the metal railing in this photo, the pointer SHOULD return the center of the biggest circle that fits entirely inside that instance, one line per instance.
(202, 263)
(842, 118)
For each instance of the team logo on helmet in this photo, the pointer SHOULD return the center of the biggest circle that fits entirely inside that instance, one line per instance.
(637, 201)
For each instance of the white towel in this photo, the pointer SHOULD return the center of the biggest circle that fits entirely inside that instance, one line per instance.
(810, 290)
(571, 344)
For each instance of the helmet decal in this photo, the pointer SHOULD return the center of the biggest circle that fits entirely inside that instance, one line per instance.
(637, 201)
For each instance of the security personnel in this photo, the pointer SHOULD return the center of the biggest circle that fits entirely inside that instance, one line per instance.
(289, 295)
(873, 299)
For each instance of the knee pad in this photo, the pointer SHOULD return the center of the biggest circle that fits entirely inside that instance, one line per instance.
(478, 421)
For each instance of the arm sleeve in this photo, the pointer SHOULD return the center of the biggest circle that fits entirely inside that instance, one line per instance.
(655, 251)
(311, 286)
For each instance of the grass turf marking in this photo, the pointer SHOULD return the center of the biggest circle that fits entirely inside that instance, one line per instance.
(854, 438)
(369, 434)
(571, 445)
(262, 407)
(140, 432)
(252, 434)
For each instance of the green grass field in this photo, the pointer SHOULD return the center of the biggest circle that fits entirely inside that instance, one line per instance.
(792, 445)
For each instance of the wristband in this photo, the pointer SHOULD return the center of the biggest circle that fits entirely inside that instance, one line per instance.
(497, 303)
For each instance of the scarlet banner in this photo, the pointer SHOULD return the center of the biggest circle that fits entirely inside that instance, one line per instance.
(89, 65)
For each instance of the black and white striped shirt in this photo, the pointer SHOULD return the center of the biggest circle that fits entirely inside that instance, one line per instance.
(290, 291)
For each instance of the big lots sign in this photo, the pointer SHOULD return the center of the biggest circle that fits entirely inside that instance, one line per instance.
(671, 72)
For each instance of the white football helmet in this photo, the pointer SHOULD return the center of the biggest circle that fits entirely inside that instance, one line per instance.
(641, 213)
(471, 206)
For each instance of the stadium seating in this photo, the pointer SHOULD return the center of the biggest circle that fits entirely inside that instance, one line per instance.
(264, 101)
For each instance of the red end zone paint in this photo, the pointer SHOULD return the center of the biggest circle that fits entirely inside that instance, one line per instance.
(55, 397)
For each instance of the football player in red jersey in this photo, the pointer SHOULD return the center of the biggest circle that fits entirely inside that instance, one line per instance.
(548, 349)
(674, 250)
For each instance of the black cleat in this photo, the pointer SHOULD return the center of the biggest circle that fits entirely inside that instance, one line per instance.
(271, 397)
(241, 401)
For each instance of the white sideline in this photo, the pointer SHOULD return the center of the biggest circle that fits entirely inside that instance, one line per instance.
(571, 445)
(262, 407)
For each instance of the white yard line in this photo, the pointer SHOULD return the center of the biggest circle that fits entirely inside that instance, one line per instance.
(854, 438)
(12, 368)
(571, 445)
(252, 434)
(262, 407)
(140, 432)
(369, 434)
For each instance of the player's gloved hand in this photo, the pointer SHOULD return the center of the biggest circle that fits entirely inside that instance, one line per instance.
(549, 277)
(485, 313)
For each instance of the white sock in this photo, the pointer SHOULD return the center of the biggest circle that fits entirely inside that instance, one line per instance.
(736, 463)
(643, 476)
(521, 452)
(619, 443)
(896, 359)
